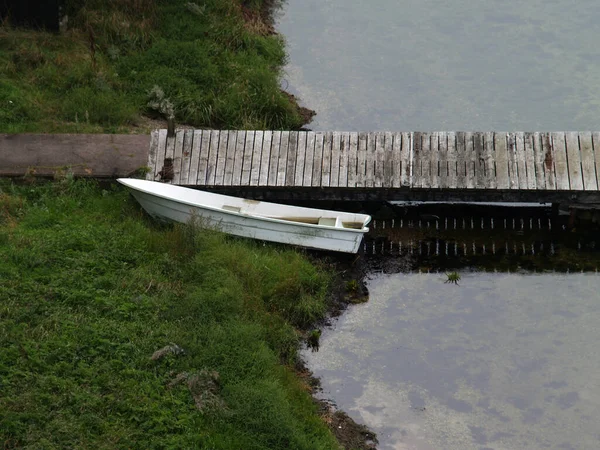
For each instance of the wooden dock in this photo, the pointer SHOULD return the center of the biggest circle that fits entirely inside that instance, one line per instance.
(558, 167)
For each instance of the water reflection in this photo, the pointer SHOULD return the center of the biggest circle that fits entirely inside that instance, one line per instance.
(503, 361)
(445, 65)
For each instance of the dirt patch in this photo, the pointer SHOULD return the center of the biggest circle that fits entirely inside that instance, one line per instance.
(306, 114)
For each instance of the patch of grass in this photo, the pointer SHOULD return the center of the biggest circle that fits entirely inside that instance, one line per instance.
(92, 288)
(216, 61)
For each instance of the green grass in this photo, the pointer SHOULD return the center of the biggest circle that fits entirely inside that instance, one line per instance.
(90, 289)
(216, 61)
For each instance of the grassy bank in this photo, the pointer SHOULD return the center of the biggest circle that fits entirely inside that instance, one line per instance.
(215, 63)
(91, 290)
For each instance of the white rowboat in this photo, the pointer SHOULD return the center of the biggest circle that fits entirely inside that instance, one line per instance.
(307, 227)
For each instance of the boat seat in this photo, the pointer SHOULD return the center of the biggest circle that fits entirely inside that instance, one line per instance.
(328, 221)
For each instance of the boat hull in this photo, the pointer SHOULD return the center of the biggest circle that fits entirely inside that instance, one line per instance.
(282, 231)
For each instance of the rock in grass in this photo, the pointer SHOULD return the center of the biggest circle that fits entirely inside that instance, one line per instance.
(171, 349)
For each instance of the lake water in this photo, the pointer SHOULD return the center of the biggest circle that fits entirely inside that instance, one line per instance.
(445, 65)
(501, 361)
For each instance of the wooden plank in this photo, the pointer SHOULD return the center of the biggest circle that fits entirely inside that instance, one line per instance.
(169, 156)
(361, 164)
(406, 163)
(265, 158)
(370, 162)
(336, 153)
(186, 159)
(549, 163)
(426, 160)
(344, 159)
(443, 159)
(318, 159)
(539, 161)
(596, 145)
(388, 160)
(521, 161)
(574, 161)
(479, 150)
(290, 170)
(489, 158)
(379, 168)
(230, 154)
(532, 175)
(248, 157)
(513, 174)
(309, 159)
(461, 160)
(300, 158)
(213, 156)
(417, 157)
(153, 150)
(326, 164)
(588, 166)
(238, 160)
(452, 158)
(221, 154)
(274, 160)
(502, 149)
(397, 161)
(195, 159)
(434, 156)
(256, 157)
(560, 160)
(160, 153)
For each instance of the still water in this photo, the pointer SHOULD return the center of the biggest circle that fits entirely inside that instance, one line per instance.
(445, 65)
(501, 361)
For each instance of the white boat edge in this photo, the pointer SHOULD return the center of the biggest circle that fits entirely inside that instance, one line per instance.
(306, 227)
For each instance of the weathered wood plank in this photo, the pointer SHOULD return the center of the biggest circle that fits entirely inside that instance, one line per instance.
(434, 156)
(213, 156)
(461, 160)
(152, 152)
(186, 159)
(336, 153)
(274, 159)
(379, 169)
(290, 171)
(503, 180)
(407, 158)
(479, 150)
(443, 159)
(248, 157)
(490, 167)
(574, 161)
(344, 159)
(417, 159)
(300, 158)
(548, 152)
(521, 163)
(596, 146)
(388, 160)
(452, 180)
(230, 157)
(539, 161)
(221, 153)
(513, 169)
(256, 158)
(588, 165)
(195, 159)
(361, 156)
(235, 171)
(353, 159)
(560, 161)
(530, 162)
(472, 160)
(168, 174)
(265, 159)
(327, 155)
(397, 159)
(309, 159)
(371, 157)
(160, 153)
(317, 159)
(426, 160)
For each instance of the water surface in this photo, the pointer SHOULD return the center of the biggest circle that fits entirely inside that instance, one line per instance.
(502, 361)
(445, 65)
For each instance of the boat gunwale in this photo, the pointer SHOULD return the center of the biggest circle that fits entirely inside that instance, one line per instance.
(363, 230)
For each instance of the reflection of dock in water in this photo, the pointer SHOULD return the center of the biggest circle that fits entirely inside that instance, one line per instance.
(489, 238)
